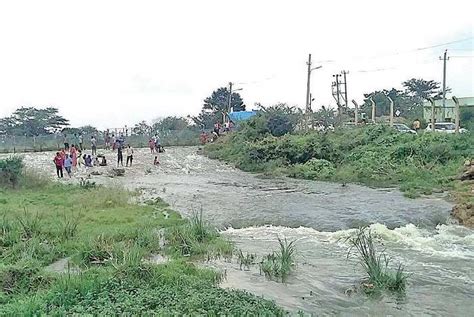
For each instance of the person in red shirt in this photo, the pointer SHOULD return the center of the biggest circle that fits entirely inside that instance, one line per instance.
(59, 162)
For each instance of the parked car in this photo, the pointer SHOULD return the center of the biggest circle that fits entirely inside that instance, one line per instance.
(445, 127)
(400, 127)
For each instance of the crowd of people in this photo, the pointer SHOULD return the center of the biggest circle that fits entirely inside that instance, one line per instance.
(73, 157)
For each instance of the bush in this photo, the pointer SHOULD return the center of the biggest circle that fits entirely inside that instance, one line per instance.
(10, 171)
(315, 169)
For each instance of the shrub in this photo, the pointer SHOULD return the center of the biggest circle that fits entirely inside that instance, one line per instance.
(315, 169)
(10, 170)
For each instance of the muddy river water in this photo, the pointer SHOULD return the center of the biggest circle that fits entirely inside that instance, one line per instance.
(253, 211)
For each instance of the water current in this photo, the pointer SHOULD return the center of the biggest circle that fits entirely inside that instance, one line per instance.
(253, 211)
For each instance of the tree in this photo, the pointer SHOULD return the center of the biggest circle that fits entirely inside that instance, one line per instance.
(31, 121)
(84, 130)
(401, 102)
(420, 90)
(141, 128)
(216, 105)
(171, 124)
(325, 117)
(281, 119)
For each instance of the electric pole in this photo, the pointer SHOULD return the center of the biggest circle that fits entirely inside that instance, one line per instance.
(344, 73)
(229, 105)
(336, 94)
(308, 85)
(444, 58)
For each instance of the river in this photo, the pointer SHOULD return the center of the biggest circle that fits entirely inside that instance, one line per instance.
(253, 211)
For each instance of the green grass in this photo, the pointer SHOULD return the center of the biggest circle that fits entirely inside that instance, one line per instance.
(279, 264)
(376, 264)
(108, 240)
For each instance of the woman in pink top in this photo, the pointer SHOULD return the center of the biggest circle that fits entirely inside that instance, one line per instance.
(73, 153)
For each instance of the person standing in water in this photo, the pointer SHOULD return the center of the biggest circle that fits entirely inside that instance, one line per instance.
(119, 156)
(73, 156)
(94, 145)
(59, 162)
(68, 165)
(151, 144)
(129, 155)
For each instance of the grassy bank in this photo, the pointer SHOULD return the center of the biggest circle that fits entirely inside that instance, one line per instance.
(107, 250)
(372, 155)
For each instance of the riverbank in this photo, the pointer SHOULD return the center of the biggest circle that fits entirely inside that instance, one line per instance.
(86, 249)
(374, 156)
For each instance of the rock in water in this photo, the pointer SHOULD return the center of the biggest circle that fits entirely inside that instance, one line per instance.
(464, 213)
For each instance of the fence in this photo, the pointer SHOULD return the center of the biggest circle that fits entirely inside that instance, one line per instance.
(53, 142)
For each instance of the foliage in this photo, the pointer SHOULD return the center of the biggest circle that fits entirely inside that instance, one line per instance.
(32, 121)
(376, 264)
(246, 260)
(170, 124)
(84, 130)
(420, 90)
(324, 117)
(216, 105)
(279, 264)
(466, 118)
(409, 101)
(314, 169)
(142, 128)
(108, 242)
(372, 155)
(10, 170)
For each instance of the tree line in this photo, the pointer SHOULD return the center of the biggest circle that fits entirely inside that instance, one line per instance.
(31, 121)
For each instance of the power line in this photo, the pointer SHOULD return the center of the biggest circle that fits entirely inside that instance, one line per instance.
(447, 43)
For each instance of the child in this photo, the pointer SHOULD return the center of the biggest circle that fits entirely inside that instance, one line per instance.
(68, 165)
(151, 144)
(88, 161)
(155, 162)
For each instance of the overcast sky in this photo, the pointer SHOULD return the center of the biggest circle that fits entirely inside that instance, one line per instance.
(111, 63)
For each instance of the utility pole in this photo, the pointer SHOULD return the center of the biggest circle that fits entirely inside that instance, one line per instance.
(308, 85)
(229, 105)
(444, 59)
(336, 94)
(344, 73)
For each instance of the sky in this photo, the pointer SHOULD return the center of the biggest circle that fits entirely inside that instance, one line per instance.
(115, 63)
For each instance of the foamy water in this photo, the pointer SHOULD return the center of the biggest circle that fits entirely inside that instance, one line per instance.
(320, 216)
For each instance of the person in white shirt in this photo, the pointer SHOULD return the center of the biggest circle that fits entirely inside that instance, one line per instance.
(129, 155)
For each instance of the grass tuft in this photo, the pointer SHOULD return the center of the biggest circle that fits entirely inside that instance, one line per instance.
(376, 264)
(279, 264)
